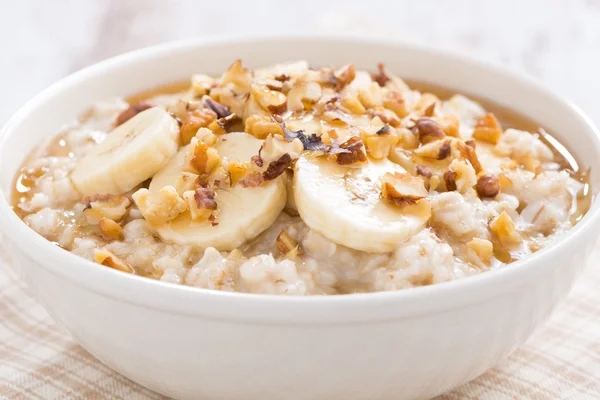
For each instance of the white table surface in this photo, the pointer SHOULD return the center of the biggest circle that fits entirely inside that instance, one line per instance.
(558, 41)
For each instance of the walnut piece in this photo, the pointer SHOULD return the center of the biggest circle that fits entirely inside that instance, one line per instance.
(394, 101)
(201, 203)
(272, 100)
(200, 158)
(110, 229)
(261, 126)
(186, 181)
(100, 206)
(352, 104)
(428, 130)
(380, 144)
(344, 76)
(303, 96)
(237, 171)
(488, 129)
(483, 248)
(450, 180)
(465, 177)
(504, 229)
(195, 120)
(450, 125)
(402, 188)
(356, 155)
(371, 95)
(277, 167)
(238, 77)
(108, 259)
(488, 185)
(201, 84)
(161, 207)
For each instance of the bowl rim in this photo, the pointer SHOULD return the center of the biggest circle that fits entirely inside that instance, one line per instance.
(119, 285)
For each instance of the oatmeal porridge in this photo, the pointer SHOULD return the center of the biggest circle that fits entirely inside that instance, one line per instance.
(295, 180)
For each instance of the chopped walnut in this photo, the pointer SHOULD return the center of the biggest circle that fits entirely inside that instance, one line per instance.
(423, 171)
(221, 125)
(426, 103)
(402, 188)
(108, 259)
(395, 102)
(237, 171)
(221, 110)
(201, 84)
(370, 96)
(344, 76)
(201, 203)
(380, 144)
(206, 136)
(276, 146)
(200, 158)
(356, 156)
(390, 81)
(465, 177)
(488, 185)
(445, 150)
(504, 229)
(186, 181)
(261, 126)
(277, 167)
(161, 207)
(428, 130)
(239, 77)
(303, 96)
(272, 100)
(484, 249)
(469, 153)
(131, 112)
(195, 120)
(110, 228)
(105, 205)
(488, 129)
(387, 116)
(351, 103)
(450, 180)
(429, 111)
(450, 125)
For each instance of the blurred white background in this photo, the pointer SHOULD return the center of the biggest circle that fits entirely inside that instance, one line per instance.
(558, 41)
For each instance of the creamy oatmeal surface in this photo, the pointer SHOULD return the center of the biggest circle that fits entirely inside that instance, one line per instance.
(292, 180)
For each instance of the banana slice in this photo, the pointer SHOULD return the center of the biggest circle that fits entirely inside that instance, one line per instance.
(243, 213)
(345, 205)
(129, 155)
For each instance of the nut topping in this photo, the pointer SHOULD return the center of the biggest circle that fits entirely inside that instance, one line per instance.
(428, 130)
(356, 152)
(402, 188)
(108, 259)
(105, 205)
(110, 229)
(504, 229)
(488, 186)
(450, 180)
(277, 167)
(161, 207)
(488, 129)
(344, 76)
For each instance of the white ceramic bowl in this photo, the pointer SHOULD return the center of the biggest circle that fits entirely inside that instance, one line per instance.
(195, 343)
